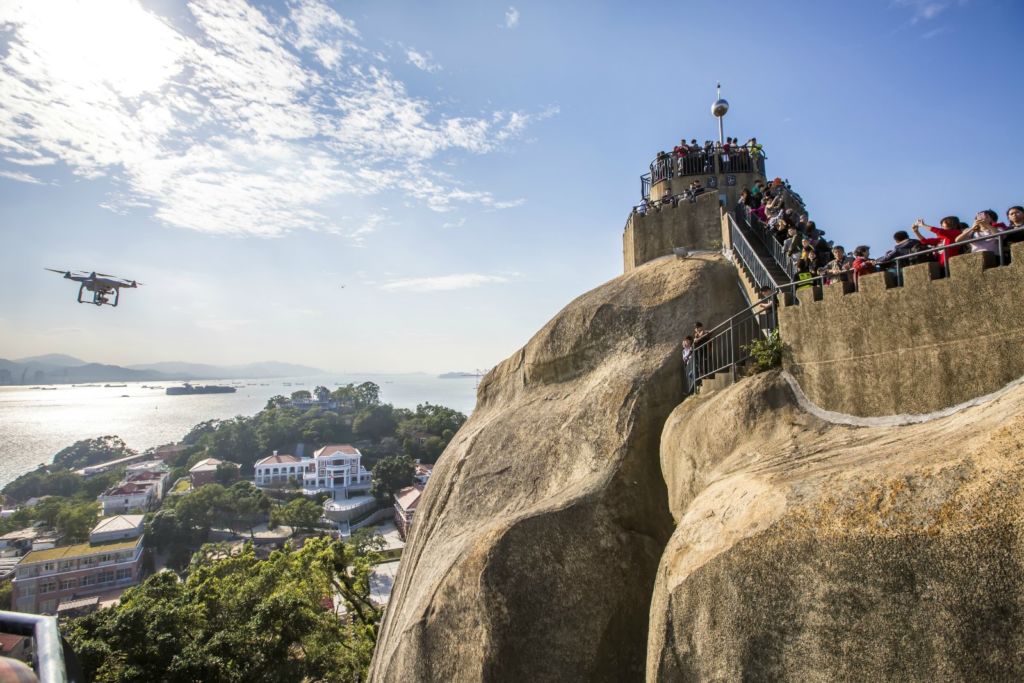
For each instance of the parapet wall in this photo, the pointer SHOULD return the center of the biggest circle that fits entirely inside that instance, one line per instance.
(928, 345)
(693, 225)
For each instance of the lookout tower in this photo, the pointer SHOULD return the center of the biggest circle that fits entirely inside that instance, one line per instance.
(668, 216)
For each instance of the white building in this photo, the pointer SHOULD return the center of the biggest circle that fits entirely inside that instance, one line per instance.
(335, 468)
(129, 497)
(278, 469)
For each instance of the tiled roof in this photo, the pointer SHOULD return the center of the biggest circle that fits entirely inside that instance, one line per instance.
(9, 641)
(207, 465)
(128, 489)
(409, 497)
(276, 459)
(337, 449)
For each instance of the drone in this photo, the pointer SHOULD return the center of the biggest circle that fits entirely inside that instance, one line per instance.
(100, 284)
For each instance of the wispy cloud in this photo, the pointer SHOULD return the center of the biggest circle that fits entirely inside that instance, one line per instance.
(924, 10)
(454, 224)
(422, 60)
(244, 122)
(21, 177)
(441, 283)
(511, 17)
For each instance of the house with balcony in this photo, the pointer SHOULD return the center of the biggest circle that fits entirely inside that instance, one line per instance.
(112, 559)
(336, 469)
(129, 497)
(278, 469)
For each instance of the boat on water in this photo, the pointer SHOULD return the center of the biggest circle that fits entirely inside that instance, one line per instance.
(115, 385)
(187, 389)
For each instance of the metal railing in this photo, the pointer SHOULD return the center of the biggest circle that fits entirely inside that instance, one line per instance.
(726, 345)
(749, 258)
(667, 166)
(1001, 253)
(53, 660)
(767, 237)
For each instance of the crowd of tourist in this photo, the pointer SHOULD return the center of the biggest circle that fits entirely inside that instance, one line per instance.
(809, 256)
(691, 158)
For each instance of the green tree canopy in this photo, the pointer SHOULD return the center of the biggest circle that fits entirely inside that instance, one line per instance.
(391, 475)
(301, 393)
(300, 513)
(375, 422)
(92, 451)
(241, 619)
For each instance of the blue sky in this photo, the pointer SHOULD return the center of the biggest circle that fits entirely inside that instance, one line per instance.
(367, 186)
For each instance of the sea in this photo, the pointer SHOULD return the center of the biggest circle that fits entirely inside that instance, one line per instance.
(36, 423)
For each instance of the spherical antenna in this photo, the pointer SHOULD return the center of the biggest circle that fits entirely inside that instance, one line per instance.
(719, 108)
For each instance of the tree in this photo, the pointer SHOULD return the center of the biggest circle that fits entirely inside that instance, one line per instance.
(76, 520)
(226, 473)
(238, 618)
(275, 402)
(367, 394)
(92, 451)
(301, 394)
(374, 422)
(322, 394)
(301, 513)
(391, 475)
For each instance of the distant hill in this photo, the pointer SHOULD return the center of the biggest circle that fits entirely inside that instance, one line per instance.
(247, 371)
(57, 368)
(56, 359)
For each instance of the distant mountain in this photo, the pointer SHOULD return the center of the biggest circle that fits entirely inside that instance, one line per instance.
(61, 360)
(247, 371)
(36, 372)
(58, 368)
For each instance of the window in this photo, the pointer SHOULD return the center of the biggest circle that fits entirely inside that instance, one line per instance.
(88, 561)
(68, 584)
(124, 574)
(49, 566)
(89, 580)
(66, 565)
(48, 587)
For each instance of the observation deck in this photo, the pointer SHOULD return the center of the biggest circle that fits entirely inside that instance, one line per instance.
(726, 173)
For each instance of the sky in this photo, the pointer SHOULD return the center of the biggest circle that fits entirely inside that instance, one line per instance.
(413, 186)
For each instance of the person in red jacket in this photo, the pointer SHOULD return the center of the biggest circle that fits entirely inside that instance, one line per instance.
(862, 263)
(945, 235)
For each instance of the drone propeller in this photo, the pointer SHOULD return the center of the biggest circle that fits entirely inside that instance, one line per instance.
(62, 272)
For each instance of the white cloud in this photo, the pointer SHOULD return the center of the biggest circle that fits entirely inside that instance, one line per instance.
(422, 60)
(245, 122)
(511, 17)
(455, 224)
(21, 177)
(923, 10)
(443, 283)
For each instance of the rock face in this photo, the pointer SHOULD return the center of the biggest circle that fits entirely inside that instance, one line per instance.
(807, 551)
(535, 547)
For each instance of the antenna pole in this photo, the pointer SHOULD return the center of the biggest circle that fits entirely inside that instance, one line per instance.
(721, 131)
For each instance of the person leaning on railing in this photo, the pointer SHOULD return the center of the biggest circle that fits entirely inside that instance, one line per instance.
(836, 269)
(862, 262)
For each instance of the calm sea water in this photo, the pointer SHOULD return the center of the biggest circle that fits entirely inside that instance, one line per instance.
(35, 424)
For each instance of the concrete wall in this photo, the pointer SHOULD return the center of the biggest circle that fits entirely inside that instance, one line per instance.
(694, 225)
(928, 345)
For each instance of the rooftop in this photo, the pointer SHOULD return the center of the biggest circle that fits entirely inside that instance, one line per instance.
(79, 550)
(207, 465)
(337, 449)
(409, 497)
(276, 459)
(118, 523)
(128, 488)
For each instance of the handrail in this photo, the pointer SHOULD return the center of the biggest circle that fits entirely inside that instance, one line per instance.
(697, 163)
(50, 651)
(764, 233)
(755, 267)
(1000, 237)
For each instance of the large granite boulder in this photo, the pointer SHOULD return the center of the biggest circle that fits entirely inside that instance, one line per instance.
(535, 547)
(808, 551)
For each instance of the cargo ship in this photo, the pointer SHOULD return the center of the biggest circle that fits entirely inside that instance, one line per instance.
(187, 389)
